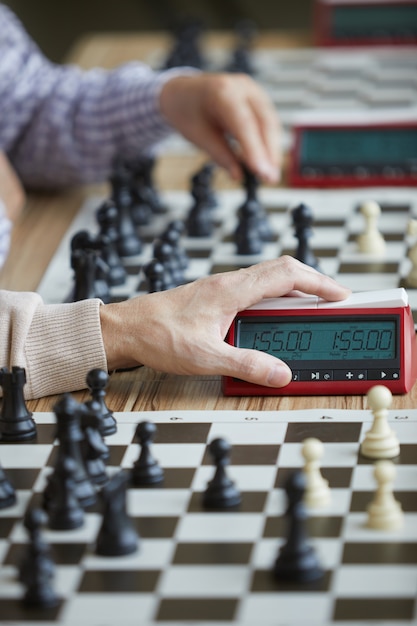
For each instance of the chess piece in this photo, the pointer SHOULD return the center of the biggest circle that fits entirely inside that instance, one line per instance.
(205, 178)
(106, 216)
(165, 254)
(83, 264)
(69, 435)
(247, 235)
(221, 492)
(91, 271)
(117, 535)
(251, 185)
(297, 560)
(37, 569)
(380, 441)
(302, 219)
(144, 191)
(411, 278)
(384, 512)
(241, 60)
(200, 221)
(371, 241)
(317, 493)
(172, 235)
(155, 275)
(146, 470)
(7, 491)
(94, 450)
(141, 209)
(145, 173)
(97, 381)
(186, 49)
(16, 422)
(64, 510)
(128, 241)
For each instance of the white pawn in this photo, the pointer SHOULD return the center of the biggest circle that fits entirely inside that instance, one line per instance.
(385, 512)
(411, 278)
(371, 241)
(317, 493)
(380, 441)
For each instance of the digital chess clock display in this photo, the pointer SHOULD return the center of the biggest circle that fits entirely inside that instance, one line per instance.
(354, 155)
(365, 22)
(353, 148)
(320, 340)
(341, 347)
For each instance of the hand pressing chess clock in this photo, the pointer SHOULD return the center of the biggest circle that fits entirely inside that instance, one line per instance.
(182, 330)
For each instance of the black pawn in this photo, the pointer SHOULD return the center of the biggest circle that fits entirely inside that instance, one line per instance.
(16, 422)
(297, 560)
(7, 491)
(172, 235)
(302, 219)
(247, 235)
(156, 278)
(37, 569)
(165, 253)
(146, 470)
(97, 381)
(199, 222)
(117, 535)
(64, 510)
(221, 492)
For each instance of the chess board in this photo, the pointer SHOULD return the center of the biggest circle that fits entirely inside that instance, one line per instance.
(337, 223)
(306, 80)
(200, 567)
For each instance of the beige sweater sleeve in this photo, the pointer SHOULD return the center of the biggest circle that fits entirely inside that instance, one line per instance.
(57, 344)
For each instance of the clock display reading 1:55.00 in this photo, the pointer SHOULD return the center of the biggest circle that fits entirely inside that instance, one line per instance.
(339, 339)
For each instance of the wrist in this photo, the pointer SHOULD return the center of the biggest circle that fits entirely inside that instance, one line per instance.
(116, 337)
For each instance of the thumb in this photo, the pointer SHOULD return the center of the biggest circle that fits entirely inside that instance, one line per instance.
(255, 366)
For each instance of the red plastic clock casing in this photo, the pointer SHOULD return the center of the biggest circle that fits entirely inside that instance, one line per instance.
(297, 179)
(322, 24)
(407, 347)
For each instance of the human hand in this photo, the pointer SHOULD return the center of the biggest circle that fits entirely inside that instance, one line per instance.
(208, 109)
(182, 330)
(11, 190)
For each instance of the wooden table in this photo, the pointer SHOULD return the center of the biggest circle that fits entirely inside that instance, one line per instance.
(144, 389)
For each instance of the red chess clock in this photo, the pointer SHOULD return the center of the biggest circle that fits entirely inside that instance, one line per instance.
(365, 22)
(357, 151)
(332, 348)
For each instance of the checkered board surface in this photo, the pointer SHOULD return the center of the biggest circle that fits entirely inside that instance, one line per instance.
(337, 223)
(201, 567)
(306, 80)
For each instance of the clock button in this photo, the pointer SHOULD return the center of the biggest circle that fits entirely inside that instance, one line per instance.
(316, 375)
(385, 374)
(350, 375)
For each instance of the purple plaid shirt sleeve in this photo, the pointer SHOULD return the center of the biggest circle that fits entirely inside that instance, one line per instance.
(5, 230)
(60, 125)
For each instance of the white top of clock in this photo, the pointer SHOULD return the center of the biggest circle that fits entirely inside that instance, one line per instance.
(381, 299)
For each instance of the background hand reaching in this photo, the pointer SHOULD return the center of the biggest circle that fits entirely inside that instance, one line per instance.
(209, 109)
